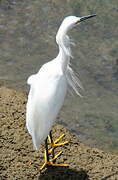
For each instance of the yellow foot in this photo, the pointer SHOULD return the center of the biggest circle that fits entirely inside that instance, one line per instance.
(54, 144)
(50, 162)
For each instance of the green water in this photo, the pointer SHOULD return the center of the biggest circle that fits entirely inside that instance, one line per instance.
(27, 40)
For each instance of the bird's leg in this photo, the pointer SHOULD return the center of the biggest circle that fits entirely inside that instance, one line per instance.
(55, 143)
(50, 162)
(46, 155)
(51, 142)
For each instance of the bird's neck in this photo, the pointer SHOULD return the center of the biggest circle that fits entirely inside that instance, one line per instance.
(64, 53)
(63, 59)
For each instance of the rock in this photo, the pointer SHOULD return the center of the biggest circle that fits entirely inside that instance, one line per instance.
(18, 160)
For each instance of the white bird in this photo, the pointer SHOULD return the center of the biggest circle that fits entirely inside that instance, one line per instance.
(48, 89)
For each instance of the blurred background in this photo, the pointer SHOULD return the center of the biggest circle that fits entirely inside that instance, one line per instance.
(27, 41)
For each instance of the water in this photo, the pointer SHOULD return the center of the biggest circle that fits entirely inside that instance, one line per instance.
(27, 40)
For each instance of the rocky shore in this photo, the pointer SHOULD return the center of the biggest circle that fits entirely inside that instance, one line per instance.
(18, 160)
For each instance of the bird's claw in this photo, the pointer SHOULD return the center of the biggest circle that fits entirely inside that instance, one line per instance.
(54, 144)
(50, 162)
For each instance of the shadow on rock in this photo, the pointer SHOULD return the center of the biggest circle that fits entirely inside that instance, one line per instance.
(62, 173)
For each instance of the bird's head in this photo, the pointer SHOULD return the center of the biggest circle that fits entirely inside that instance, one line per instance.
(68, 23)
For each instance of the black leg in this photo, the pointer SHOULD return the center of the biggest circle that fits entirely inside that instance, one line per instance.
(51, 137)
(46, 148)
(52, 143)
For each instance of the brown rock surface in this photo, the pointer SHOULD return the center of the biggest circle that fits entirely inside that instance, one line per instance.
(18, 160)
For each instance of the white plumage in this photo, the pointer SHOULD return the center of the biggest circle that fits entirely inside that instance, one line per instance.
(44, 103)
(48, 87)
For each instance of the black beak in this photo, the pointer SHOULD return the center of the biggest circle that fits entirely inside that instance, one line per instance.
(84, 18)
(87, 17)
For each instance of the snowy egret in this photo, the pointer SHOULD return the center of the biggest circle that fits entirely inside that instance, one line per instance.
(48, 89)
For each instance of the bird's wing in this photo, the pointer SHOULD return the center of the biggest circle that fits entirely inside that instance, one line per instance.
(31, 79)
